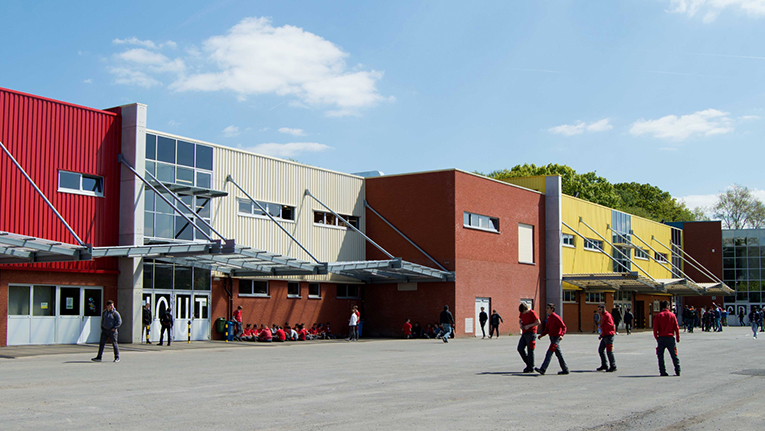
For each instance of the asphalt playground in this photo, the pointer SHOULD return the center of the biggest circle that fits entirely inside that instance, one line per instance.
(384, 384)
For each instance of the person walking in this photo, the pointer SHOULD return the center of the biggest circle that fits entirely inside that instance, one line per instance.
(741, 315)
(494, 323)
(616, 313)
(528, 321)
(754, 320)
(482, 318)
(146, 320)
(606, 338)
(666, 331)
(628, 319)
(110, 322)
(447, 320)
(353, 324)
(167, 321)
(556, 329)
(596, 322)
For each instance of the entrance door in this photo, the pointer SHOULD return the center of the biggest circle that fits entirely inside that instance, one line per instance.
(43, 315)
(481, 303)
(68, 320)
(19, 315)
(91, 315)
(639, 313)
(200, 325)
(161, 303)
(182, 317)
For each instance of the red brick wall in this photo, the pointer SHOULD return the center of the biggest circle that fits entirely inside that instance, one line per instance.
(571, 317)
(703, 241)
(278, 308)
(428, 207)
(107, 281)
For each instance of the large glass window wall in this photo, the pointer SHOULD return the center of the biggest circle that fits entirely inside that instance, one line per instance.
(744, 265)
(179, 162)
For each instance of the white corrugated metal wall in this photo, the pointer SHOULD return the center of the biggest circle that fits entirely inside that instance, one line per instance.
(284, 182)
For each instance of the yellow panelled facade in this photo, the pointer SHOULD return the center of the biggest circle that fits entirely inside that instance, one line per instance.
(534, 183)
(578, 260)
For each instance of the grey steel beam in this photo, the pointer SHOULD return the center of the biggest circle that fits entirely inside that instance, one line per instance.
(366, 204)
(78, 252)
(230, 179)
(693, 261)
(42, 195)
(308, 193)
(581, 220)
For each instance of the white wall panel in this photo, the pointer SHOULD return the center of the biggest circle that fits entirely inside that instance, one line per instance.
(283, 182)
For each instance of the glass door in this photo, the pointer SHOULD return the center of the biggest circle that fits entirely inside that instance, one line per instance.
(200, 325)
(68, 321)
(19, 315)
(92, 299)
(182, 317)
(43, 325)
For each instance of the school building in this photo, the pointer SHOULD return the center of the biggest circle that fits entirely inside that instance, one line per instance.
(94, 205)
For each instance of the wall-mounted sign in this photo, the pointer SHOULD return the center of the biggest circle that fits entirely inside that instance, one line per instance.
(69, 303)
(44, 305)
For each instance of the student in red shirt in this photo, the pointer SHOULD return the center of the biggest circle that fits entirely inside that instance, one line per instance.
(556, 329)
(666, 331)
(280, 335)
(528, 320)
(407, 329)
(302, 333)
(607, 331)
(265, 334)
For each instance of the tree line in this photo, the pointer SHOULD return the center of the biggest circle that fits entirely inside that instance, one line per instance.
(737, 207)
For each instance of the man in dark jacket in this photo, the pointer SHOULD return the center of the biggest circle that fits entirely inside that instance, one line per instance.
(494, 323)
(447, 320)
(166, 319)
(147, 321)
(110, 321)
(482, 318)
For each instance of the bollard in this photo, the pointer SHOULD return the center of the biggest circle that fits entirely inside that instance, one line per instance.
(226, 337)
(189, 331)
(148, 329)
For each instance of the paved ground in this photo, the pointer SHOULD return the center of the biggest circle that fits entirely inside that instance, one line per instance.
(385, 385)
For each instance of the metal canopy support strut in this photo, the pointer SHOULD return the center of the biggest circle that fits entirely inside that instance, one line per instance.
(404, 236)
(308, 193)
(692, 261)
(42, 195)
(260, 207)
(617, 249)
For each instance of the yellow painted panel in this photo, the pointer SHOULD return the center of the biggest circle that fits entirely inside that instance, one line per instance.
(646, 230)
(577, 260)
(533, 183)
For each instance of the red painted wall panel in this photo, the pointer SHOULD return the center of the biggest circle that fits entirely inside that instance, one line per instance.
(703, 241)
(46, 136)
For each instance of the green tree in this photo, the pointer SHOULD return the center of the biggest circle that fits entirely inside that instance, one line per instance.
(738, 208)
(651, 202)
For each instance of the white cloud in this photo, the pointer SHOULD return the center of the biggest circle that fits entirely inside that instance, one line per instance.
(255, 57)
(710, 9)
(88, 81)
(581, 127)
(231, 131)
(289, 150)
(748, 117)
(145, 43)
(293, 132)
(671, 127)
(708, 200)
(130, 76)
(155, 60)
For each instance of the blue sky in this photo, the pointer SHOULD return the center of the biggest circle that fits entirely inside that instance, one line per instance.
(666, 92)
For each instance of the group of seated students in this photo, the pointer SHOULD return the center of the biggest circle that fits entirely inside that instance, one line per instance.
(275, 333)
(417, 331)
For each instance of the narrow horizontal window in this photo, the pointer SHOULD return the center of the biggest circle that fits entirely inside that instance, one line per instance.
(568, 240)
(329, 219)
(593, 244)
(641, 254)
(481, 222)
(73, 182)
(277, 211)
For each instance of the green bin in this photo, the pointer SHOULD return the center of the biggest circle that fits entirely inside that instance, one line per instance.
(220, 325)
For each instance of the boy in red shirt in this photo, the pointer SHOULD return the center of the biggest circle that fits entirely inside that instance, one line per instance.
(528, 320)
(666, 331)
(607, 331)
(302, 333)
(407, 329)
(556, 329)
(265, 334)
(280, 335)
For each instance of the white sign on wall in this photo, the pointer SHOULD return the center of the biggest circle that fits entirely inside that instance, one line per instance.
(469, 325)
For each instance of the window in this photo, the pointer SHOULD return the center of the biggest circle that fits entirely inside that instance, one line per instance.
(347, 291)
(593, 244)
(293, 289)
(314, 290)
(329, 219)
(595, 297)
(569, 296)
(168, 276)
(81, 184)
(482, 222)
(660, 257)
(568, 240)
(525, 243)
(641, 254)
(277, 211)
(178, 161)
(253, 288)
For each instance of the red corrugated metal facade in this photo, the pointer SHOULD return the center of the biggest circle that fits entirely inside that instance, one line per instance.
(46, 136)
